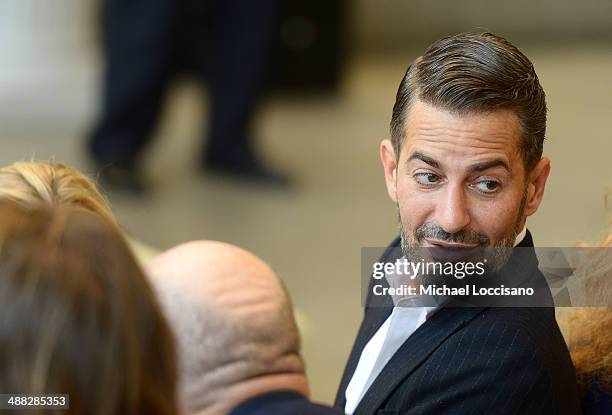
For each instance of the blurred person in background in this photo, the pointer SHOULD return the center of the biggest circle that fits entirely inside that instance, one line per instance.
(238, 342)
(145, 44)
(78, 317)
(589, 331)
(35, 183)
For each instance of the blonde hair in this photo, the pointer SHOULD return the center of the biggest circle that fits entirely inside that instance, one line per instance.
(79, 316)
(590, 336)
(31, 184)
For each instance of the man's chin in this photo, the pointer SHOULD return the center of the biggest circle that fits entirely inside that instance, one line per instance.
(443, 255)
(443, 252)
(454, 254)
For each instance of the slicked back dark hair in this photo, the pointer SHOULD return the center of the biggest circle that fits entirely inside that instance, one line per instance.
(472, 73)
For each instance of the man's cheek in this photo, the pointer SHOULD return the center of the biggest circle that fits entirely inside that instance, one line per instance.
(495, 225)
(418, 205)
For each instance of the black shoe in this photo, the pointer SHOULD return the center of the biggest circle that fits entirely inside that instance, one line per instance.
(252, 171)
(122, 178)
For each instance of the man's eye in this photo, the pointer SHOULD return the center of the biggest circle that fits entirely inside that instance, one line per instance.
(487, 186)
(426, 179)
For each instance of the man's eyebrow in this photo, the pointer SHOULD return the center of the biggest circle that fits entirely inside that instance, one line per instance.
(425, 159)
(489, 164)
(472, 169)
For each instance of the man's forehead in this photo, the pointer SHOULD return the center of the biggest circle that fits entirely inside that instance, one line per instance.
(475, 136)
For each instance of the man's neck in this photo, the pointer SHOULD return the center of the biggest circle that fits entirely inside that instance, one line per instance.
(287, 374)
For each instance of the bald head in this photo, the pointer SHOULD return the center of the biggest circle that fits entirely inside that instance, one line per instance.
(233, 321)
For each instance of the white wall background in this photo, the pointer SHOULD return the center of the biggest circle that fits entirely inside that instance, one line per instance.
(48, 67)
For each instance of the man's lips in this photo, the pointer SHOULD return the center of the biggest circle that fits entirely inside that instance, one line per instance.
(433, 243)
(442, 250)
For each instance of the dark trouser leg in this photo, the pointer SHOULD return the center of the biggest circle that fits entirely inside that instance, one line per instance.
(241, 38)
(138, 47)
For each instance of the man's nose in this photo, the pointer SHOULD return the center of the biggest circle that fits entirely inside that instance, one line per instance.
(452, 212)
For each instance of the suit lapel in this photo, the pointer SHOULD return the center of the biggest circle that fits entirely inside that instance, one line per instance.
(423, 342)
(412, 353)
(374, 318)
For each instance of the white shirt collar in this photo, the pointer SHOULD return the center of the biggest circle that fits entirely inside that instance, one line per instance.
(519, 238)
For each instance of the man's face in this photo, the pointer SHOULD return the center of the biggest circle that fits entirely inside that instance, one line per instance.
(460, 181)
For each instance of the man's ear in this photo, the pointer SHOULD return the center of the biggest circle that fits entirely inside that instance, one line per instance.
(537, 184)
(387, 156)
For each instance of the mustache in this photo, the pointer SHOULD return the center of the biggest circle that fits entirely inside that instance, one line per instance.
(435, 231)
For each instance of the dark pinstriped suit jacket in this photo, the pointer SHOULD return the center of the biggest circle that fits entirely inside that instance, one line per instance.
(475, 360)
(282, 403)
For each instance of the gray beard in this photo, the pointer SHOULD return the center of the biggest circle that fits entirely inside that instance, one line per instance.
(497, 254)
